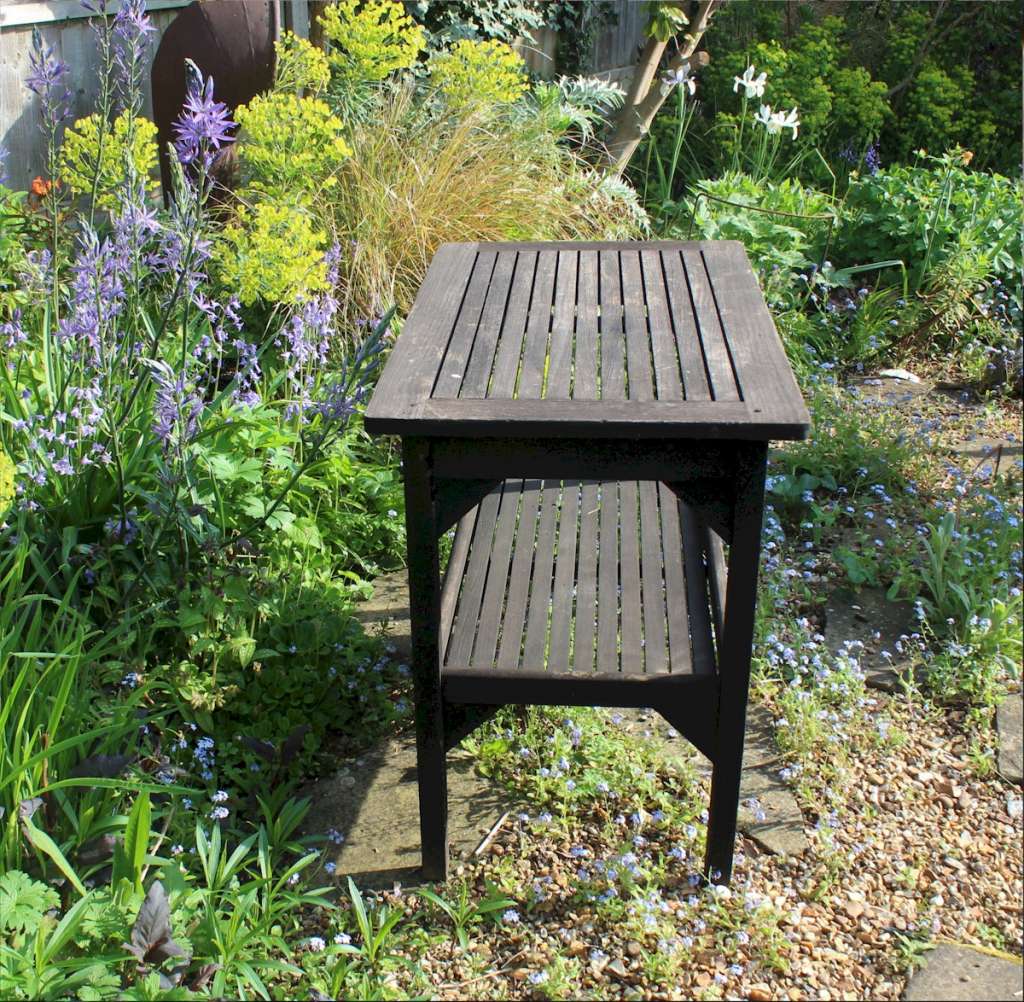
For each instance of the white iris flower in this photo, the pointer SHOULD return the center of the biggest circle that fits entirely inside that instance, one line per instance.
(752, 86)
(681, 77)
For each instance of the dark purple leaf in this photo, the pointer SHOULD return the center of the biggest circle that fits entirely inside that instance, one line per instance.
(173, 978)
(202, 977)
(264, 749)
(293, 743)
(152, 940)
(101, 767)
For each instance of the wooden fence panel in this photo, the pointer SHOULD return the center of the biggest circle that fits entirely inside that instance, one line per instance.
(72, 37)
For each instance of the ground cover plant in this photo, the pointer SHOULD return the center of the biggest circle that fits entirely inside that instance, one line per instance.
(189, 510)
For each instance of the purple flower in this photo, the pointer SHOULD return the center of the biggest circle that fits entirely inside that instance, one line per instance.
(3, 165)
(132, 29)
(96, 293)
(247, 375)
(176, 409)
(122, 529)
(46, 79)
(204, 124)
(12, 332)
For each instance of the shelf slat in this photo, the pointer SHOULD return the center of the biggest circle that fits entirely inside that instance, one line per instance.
(580, 580)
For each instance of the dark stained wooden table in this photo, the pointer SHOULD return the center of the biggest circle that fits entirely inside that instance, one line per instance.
(595, 418)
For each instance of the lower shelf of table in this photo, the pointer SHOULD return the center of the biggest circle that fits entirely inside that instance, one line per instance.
(576, 582)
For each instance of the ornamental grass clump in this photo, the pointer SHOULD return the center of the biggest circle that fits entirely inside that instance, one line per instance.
(416, 180)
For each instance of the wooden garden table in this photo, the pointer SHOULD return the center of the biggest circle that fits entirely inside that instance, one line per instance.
(595, 418)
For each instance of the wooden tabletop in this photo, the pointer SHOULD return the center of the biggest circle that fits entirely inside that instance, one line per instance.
(661, 339)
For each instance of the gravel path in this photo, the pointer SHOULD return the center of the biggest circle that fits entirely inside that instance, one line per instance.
(925, 850)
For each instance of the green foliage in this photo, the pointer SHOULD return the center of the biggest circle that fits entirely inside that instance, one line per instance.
(785, 227)
(300, 66)
(929, 212)
(464, 914)
(292, 144)
(966, 580)
(6, 481)
(18, 230)
(498, 20)
(272, 253)
(55, 740)
(907, 75)
(24, 902)
(665, 20)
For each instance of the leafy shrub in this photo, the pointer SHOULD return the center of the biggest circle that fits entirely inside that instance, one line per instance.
(89, 158)
(785, 227)
(480, 73)
(18, 229)
(272, 252)
(926, 213)
(292, 144)
(502, 20)
(873, 82)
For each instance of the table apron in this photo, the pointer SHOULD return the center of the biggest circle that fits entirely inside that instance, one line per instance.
(591, 459)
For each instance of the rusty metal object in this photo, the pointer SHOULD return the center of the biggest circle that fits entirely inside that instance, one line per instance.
(230, 40)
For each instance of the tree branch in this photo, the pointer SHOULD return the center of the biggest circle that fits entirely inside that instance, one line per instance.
(635, 117)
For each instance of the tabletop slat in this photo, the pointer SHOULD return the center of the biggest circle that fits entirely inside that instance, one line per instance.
(456, 357)
(492, 322)
(716, 353)
(666, 357)
(577, 339)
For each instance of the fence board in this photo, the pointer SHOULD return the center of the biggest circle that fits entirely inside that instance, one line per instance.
(73, 41)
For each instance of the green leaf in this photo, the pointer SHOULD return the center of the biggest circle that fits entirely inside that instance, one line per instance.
(136, 840)
(46, 845)
(243, 647)
(23, 901)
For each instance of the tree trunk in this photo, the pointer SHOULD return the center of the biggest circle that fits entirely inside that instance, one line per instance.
(647, 92)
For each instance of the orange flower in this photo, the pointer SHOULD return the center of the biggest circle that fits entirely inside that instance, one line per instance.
(967, 156)
(41, 188)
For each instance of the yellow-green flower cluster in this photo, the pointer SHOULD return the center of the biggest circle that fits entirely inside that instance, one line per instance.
(272, 252)
(370, 40)
(82, 154)
(484, 73)
(290, 143)
(301, 66)
(6, 481)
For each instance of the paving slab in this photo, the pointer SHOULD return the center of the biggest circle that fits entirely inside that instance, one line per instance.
(1010, 725)
(885, 390)
(859, 615)
(988, 455)
(373, 802)
(966, 974)
(782, 830)
(387, 612)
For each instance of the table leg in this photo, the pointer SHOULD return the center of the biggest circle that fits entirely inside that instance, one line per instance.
(425, 618)
(734, 661)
